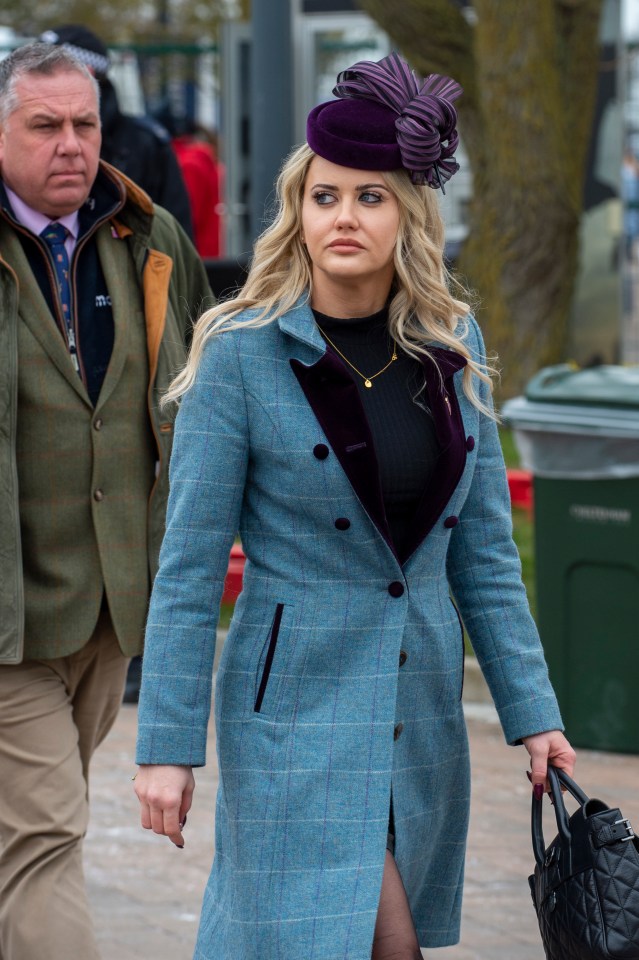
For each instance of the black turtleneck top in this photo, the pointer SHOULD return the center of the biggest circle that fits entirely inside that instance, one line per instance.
(403, 431)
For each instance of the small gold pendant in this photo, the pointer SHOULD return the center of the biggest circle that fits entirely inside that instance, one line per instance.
(367, 383)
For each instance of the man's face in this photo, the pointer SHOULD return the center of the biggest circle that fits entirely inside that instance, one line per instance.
(50, 144)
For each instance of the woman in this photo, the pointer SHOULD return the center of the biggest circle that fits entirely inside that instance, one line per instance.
(338, 414)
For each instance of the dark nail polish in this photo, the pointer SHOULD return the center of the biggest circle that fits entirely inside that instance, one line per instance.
(180, 846)
(538, 790)
(529, 775)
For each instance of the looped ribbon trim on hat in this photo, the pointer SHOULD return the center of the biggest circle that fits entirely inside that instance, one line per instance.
(426, 124)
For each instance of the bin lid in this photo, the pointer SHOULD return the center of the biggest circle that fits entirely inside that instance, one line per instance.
(604, 386)
(587, 419)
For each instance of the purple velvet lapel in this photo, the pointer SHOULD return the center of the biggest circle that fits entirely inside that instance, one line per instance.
(334, 399)
(444, 406)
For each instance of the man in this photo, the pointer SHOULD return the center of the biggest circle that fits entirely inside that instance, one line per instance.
(138, 146)
(96, 289)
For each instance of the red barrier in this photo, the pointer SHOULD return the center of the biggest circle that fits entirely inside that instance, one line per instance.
(521, 495)
(233, 582)
(521, 489)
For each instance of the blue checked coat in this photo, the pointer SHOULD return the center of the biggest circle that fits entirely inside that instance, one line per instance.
(342, 673)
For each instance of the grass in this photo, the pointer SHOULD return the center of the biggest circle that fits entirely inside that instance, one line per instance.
(522, 533)
(522, 524)
(226, 612)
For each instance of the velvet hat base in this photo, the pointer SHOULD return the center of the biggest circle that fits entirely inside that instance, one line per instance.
(355, 133)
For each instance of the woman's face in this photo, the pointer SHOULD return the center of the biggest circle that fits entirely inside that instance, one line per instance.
(350, 221)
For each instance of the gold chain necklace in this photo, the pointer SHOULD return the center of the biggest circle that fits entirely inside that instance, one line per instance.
(368, 381)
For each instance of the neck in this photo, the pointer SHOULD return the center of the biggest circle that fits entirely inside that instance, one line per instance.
(336, 300)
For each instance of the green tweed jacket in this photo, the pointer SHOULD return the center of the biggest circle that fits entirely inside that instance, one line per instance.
(83, 489)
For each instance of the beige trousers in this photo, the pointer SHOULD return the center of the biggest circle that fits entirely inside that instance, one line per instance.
(53, 714)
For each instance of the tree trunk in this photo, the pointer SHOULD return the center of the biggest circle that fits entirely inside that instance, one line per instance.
(529, 71)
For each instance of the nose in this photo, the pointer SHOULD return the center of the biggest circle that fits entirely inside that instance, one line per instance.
(69, 142)
(346, 215)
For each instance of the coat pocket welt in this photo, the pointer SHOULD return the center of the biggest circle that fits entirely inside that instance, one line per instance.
(463, 647)
(268, 659)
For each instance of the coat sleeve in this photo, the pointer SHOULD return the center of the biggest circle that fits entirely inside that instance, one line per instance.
(484, 572)
(189, 286)
(207, 477)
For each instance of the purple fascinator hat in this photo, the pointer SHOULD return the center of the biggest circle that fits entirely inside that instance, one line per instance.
(386, 117)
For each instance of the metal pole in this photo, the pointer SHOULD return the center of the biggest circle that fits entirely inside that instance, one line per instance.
(271, 102)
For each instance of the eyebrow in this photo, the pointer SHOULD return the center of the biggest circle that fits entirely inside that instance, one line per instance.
(45, 115)
(359, 186)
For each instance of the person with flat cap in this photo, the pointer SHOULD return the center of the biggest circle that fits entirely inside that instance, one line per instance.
(337, 413)
(99, 288)
(139, 147)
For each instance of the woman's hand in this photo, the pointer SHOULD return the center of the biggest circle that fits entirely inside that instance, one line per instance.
(544, 748)
(165, 794)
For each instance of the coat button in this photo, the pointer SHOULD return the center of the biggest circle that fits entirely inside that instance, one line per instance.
(397, 732)
(396, 589)
(97, 424)
(342, 523)
(470, 443)
(98, 495)
(403, 657)
(451, 522)
(321, 451)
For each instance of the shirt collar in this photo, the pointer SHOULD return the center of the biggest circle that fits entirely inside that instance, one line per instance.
(36, 221)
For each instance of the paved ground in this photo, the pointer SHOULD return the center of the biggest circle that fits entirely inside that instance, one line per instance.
(146, 894)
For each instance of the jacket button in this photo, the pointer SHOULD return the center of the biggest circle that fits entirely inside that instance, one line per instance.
(97, 424)
(321, 451)
(396, 589)
(451, 522)
(98, 495)
(342, 523)
(470, 443)
(397, 732)
(403, 657)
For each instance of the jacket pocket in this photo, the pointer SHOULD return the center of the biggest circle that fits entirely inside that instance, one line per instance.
(463, 646)
(268, 659)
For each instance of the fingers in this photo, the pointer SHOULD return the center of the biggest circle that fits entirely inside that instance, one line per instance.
(165, 794)
(167, 822)
(539, 767)
(545, 748)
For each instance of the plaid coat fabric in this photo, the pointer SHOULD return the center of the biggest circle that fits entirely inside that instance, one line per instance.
(341, 677)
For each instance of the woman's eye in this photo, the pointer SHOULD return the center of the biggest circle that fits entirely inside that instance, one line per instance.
(323, 197)
(369, 197)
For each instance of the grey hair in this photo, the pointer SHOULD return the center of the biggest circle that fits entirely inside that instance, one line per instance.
(35, 58)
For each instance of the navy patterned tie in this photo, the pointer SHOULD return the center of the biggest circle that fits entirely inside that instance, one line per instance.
(54, 236)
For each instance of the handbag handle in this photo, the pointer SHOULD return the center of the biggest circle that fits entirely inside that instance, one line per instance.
(557, 778)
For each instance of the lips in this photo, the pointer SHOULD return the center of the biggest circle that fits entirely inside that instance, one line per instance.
(353, 244)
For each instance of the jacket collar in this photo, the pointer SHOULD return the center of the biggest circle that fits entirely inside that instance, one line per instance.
(107, 198)
(299, 323)
(334, 399)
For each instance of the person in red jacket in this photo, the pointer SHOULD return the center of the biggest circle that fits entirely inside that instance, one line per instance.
(203, 176)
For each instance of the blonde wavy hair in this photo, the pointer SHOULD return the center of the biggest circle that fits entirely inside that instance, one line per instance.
(422, 308)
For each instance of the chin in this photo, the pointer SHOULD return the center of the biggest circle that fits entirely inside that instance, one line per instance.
(68, 204)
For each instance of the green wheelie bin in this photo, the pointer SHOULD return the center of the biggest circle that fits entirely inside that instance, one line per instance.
(577, 431)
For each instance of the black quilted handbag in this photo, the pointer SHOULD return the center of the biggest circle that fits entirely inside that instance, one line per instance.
(585, 887)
